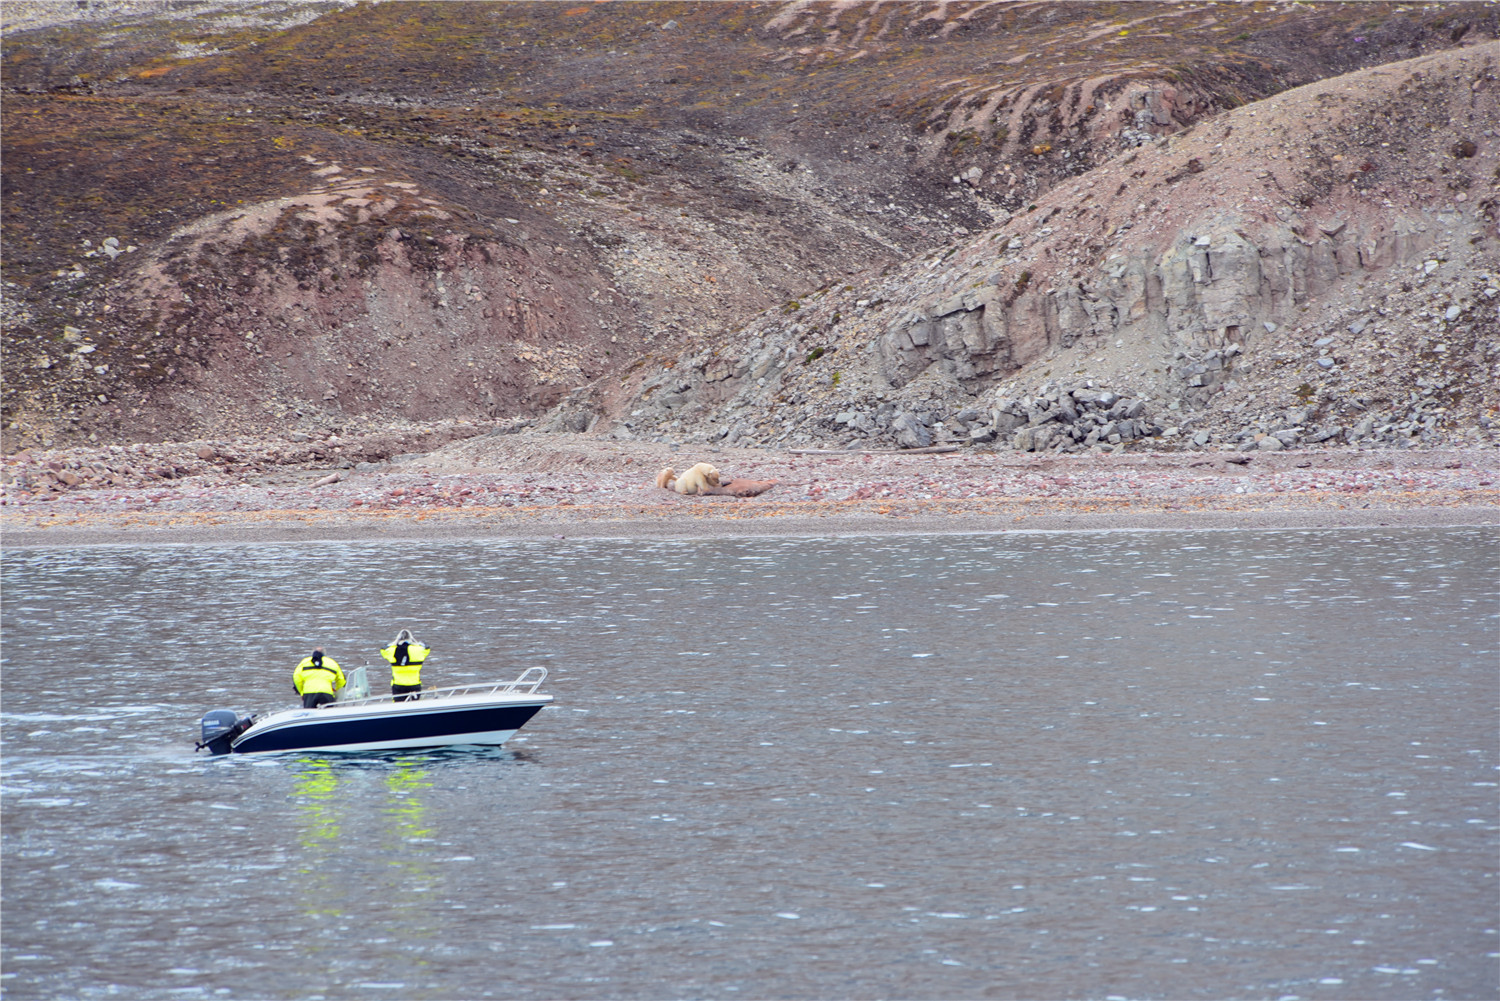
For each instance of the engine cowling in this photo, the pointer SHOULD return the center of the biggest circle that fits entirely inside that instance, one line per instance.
(220, 727)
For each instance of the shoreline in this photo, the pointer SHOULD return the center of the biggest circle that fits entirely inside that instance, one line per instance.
(528, 487)
(281, 527)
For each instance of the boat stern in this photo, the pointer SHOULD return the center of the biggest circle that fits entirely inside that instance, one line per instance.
(219, 729)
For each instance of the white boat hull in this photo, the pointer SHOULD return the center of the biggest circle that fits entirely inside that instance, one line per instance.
(487, 738)
(488, 714)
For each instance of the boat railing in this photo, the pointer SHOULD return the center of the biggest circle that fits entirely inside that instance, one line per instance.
(530, 680)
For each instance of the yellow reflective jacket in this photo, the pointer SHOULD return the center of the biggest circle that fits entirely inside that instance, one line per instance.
(409, 672)
(310, 680)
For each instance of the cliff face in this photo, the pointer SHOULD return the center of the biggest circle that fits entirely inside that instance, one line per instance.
(1215, 287)
(224, 220)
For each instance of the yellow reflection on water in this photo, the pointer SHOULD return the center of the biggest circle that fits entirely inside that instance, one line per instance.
(315, 791)
(415, 890)
(367, 820)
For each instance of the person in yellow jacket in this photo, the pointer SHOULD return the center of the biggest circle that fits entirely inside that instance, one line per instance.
(316, 679)
(405, 655)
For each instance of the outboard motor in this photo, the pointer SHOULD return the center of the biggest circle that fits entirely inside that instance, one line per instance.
(220, 727)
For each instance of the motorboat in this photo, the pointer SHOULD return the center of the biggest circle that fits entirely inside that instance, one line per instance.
(488, 713)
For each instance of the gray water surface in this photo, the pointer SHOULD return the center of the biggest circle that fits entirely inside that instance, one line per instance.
(1132, 765)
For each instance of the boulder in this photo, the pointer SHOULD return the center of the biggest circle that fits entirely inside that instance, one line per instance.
(1031, 439)
(909, 431)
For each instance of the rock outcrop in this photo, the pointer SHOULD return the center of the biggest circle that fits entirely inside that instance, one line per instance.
(1297, 245)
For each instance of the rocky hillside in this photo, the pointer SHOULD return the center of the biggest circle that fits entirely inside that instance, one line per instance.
(232, 220)
(1318, 266)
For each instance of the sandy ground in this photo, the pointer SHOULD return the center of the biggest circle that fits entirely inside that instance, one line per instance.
(532, 486)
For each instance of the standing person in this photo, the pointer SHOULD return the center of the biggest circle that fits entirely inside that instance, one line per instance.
(316, 679)
(405, 655)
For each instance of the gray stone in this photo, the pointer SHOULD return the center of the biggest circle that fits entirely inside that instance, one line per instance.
(980, 435)
(1004, 422)
(1201, 438)
(1325, 363)
(1037, 415)
(1030, 439)
(910, 432)
(948, 306)
(1322, 434)
(1270, 443)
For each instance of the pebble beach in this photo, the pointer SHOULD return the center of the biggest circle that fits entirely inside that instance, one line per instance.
(536, 485)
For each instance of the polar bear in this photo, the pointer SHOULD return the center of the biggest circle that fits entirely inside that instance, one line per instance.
(665, 478)
(696, 479)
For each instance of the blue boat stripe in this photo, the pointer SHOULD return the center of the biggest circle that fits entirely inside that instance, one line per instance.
(415, 726)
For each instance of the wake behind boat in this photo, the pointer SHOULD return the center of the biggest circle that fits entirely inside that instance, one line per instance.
(488, 713)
